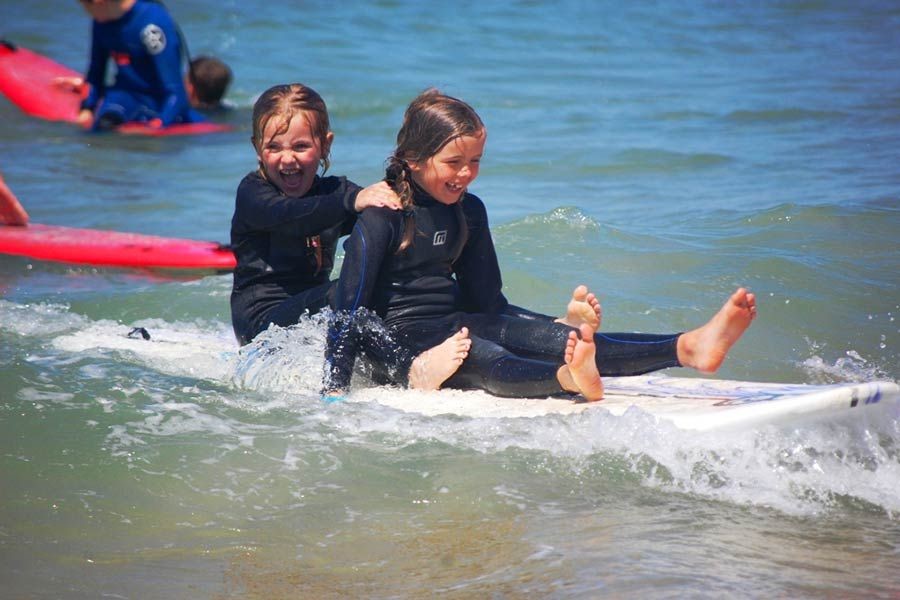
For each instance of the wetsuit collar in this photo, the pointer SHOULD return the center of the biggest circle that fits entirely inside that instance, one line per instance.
(423, 198)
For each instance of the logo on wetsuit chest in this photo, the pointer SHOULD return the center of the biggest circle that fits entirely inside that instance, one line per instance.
(440, 238)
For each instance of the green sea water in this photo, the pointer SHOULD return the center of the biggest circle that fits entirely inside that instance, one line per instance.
(663, 154)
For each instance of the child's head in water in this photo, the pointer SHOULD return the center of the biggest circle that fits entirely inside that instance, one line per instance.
(291, 136)
(207, 81)
(439, 147)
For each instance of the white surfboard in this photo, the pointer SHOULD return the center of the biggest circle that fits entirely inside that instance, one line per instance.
(689, 403)
(698, 404)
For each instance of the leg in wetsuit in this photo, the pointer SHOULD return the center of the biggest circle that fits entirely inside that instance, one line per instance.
(618, 354)
(249, 320)
(514, 356)
(119, 107)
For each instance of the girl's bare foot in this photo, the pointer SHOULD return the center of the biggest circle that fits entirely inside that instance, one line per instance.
(580, 373)
(582, 308)
(434, 366)
(706, 347)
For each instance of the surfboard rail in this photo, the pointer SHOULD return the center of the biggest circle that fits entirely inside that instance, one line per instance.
(104, 248)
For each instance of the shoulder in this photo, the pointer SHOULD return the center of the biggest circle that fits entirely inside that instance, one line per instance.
(333, 184)
(153, 11)
(156, 27)
(379, 217)
(381, 223)
(254, 188)
(378, 228)
(474, 209)
(252, 181)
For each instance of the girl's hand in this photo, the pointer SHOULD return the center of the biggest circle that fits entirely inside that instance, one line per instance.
(377, 194)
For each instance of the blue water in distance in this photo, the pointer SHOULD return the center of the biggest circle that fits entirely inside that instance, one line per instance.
(663, 154)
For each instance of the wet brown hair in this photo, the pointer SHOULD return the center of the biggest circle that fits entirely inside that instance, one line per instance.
(432, 120)
(287, 101)
(210, 78)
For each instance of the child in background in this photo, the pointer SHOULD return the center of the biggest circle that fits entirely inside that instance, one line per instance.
(432, 269)
(285, 228)
(207, 81)
(144, 42)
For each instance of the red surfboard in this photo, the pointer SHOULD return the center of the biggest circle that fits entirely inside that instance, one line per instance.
(29, 80)
(113, 248)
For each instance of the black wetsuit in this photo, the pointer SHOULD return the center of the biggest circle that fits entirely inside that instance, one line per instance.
(285, 247)
(448, 278)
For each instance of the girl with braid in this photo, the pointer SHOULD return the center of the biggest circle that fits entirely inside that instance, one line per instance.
(431, 269)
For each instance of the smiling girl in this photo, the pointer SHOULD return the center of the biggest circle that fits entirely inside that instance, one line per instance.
(432, 269)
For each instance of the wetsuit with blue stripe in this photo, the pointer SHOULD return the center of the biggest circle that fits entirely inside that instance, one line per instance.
(449, 278)
(146, 48)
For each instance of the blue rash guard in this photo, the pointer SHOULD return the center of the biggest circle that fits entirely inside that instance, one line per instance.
(149, 83)
(449, 278)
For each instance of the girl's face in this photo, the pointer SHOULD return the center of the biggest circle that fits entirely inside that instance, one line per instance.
(291, 158)
(447, 174)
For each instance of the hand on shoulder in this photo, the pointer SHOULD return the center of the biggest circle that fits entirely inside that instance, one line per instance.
(377, 194)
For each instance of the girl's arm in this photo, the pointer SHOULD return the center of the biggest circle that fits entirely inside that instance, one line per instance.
(375, 235)
(168, 69)
(379, 194)
(96, 75)
(477, 268)
(260, 206)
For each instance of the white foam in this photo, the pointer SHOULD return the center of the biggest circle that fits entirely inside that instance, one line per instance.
(803, 471)
(204, 351)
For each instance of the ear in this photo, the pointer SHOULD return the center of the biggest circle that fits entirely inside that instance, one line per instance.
(329, 138)
(191, 92)
(414, 165)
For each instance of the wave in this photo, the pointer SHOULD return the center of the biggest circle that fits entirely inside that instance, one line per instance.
(783, 115)
(656, 161)
(192, 383)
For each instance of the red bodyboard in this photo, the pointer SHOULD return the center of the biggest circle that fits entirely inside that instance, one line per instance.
(27, 79)
(113, 248)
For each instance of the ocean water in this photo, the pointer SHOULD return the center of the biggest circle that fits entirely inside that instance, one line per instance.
(663, 153)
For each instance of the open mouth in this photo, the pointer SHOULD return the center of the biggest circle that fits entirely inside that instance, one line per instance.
(291, 177)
